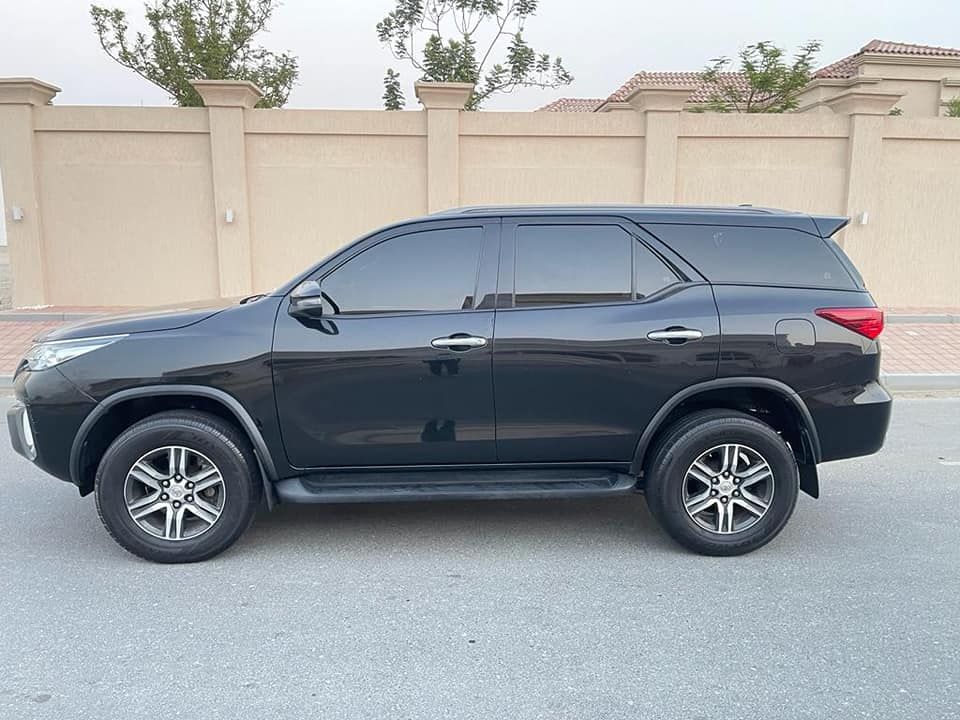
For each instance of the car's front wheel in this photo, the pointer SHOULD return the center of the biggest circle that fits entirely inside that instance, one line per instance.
(721, 482)
(178, 486)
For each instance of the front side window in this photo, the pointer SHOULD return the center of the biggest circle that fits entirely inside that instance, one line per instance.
(427, 271)
(577, 264)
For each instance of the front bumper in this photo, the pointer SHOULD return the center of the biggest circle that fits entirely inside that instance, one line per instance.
(55, 408)
(18, 424)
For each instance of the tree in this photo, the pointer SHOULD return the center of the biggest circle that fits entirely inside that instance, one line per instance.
(392, 94)
(953, 107)
(772, 85)
(458, 41)
(198, 40)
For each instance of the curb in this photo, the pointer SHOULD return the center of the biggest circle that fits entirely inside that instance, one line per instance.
(17, 316)
(924, 319)
(919, 382)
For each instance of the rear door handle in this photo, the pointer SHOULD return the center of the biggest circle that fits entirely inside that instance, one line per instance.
(675, 336)
(462, 344)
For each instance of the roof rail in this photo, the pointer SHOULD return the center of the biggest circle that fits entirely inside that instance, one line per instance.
(471, 209)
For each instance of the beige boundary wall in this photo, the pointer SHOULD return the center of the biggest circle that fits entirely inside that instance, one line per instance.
(136, 206)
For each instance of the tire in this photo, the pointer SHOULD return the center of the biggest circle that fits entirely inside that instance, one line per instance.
(669, 489)
(212, 452)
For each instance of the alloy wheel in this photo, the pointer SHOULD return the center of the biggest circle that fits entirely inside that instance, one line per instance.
(174, 493)
(728, 489)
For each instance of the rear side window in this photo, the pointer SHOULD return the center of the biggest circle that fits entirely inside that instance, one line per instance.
(579, 264)
(572, 264)
(775, 256)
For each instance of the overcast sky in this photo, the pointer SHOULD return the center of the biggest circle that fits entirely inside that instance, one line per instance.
(602, 42)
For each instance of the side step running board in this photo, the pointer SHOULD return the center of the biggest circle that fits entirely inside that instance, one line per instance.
(452, 485)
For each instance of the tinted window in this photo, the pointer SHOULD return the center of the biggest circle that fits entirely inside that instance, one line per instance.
(846, 262)
(777, 256)
(563, 264)
(424, 271)
(650, 272)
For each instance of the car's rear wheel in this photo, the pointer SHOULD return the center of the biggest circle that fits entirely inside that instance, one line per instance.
(721, 482)
(179, 486)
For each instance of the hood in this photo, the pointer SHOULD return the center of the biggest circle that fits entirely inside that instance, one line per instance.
(169, 317)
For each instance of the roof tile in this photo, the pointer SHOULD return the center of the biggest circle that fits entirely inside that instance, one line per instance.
(847, 67)
(572, 105)
(703, 92)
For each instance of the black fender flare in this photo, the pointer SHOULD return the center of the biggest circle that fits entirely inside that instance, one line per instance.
(782, 389)
(268, 470)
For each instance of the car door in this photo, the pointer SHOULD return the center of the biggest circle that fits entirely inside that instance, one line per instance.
(598, 324)
(393, 367)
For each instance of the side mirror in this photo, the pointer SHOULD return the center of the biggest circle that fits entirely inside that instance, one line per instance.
(306, 299)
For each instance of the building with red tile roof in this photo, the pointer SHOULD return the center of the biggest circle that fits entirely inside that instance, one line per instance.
(926, 77)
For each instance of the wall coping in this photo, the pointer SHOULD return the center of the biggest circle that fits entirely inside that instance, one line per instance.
(443, 95)
(228, 93)
(842, 82)
(657, 98)
(26, 91)
(614, 106)
(860, 102)
(907, 59)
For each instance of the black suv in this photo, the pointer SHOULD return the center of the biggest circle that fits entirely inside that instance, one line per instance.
(707, 357)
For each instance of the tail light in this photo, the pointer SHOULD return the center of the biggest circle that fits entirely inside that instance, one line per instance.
(865, 321)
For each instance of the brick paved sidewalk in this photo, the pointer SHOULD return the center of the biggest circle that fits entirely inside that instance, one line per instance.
(908, 347)
(15, 338)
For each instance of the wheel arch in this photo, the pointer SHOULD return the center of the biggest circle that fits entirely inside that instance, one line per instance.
(730, 393)
(213, 399)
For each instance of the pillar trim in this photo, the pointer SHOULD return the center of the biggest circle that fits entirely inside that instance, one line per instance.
(26, 91)
(21, 187)
(227, 103)
(660, 106)
(443, 103)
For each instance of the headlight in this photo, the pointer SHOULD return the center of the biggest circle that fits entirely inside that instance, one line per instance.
(46, 355)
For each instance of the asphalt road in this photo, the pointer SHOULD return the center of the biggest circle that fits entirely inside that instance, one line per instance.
(500, 610)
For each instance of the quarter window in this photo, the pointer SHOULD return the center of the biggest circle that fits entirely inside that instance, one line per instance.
(428, 271)
(773, 256)
(650, 273)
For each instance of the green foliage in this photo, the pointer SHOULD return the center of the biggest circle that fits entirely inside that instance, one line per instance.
(953, 107)
(463, 41)
(198, 40)
(392, 94)
(896, 111)
(773, 83)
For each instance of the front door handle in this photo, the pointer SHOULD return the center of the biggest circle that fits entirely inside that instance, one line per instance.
(675, 336)
(462, 343)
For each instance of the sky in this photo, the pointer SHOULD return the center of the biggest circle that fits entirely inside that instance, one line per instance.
(602, 42)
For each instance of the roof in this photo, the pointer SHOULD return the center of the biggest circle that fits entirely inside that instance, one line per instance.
(572, 105)
(847, 67)
(703, 93)
(843, 68)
